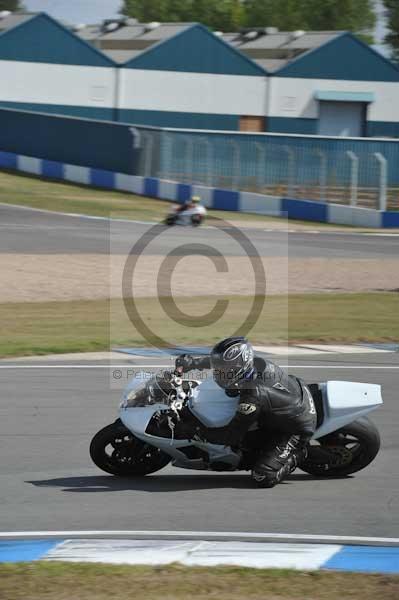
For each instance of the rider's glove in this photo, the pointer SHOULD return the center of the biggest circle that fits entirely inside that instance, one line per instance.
(185, 362)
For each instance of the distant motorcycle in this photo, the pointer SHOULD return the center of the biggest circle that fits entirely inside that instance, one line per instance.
(193, 216)
(161, 413)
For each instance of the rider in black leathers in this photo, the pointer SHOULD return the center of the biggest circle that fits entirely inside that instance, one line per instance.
(280, 405)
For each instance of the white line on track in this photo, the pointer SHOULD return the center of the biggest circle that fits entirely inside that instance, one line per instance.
(75, 215)
(127, 221)
(136, 366)
(200, 535)
(125, 366)
(30, 227)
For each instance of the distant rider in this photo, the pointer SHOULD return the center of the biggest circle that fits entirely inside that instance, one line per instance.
(193, 202)
(279, 406)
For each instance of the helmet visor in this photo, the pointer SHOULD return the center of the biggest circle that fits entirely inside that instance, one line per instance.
(226, 378)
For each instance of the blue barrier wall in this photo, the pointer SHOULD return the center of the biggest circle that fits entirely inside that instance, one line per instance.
(89, 143)
(216, 198)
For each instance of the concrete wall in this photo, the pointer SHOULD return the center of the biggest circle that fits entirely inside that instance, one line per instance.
(60, 139)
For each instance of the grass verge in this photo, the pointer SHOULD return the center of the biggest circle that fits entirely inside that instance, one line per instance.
(26, 190)
(54, 327)
(63, 581)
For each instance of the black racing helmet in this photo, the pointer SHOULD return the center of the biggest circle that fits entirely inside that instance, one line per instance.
(232, 360)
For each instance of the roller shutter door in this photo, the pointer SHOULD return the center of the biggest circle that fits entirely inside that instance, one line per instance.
(346, 119)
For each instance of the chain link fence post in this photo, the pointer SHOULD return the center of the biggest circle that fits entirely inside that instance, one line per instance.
(136, 144)
(291, 171)
(323, 174)
(383, 178)
(260, 165)
(166, 155)
(235, 178)
(189, 160)
(354, 177)
(208, 161)
(148, 150)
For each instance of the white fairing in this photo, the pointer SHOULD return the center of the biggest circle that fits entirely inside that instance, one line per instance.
(345, 402)
(184, 218)
(211, 405)
(197, 210)
(137, 419)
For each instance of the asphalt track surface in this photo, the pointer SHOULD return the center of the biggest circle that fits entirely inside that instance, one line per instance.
(48, 416)
(47, 481)
(33, 232)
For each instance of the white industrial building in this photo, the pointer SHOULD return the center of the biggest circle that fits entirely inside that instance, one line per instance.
(182, 75)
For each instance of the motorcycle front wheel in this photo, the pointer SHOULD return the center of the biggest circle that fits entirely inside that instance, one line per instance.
(196, 220)
(350, 449)
(115, 450)
(170, 220)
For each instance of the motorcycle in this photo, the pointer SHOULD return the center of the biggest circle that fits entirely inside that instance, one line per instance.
(161, 414)
(191, 216)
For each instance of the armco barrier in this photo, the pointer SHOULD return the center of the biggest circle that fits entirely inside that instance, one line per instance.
(211, 197)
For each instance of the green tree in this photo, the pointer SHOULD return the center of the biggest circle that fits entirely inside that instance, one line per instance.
(284, 14)
(217, 14)
(317, 15)
(224, 15)
(352, 15)
(147, 10)
(392, 38)
(231, 15)
(12, 5)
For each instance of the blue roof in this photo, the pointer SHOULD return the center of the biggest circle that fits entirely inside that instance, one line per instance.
(345, 57)
(196, 50)
(43, 39)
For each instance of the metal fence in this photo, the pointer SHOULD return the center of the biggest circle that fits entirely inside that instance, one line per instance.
(362, 172)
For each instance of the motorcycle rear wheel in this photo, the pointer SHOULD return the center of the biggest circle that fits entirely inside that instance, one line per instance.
(115, 450)
(351, 448)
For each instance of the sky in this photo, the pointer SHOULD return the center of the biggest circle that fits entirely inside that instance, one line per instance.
(76, 11)
(93, 11)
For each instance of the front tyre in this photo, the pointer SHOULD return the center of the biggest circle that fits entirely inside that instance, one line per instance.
(115, 450)
(196, 220)
(170, 220)
(350, 449)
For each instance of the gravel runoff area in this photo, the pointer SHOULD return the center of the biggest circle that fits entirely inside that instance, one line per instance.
(38, 278)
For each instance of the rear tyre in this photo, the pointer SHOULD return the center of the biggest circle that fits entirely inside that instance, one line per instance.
(115, 450)
(351, 449)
